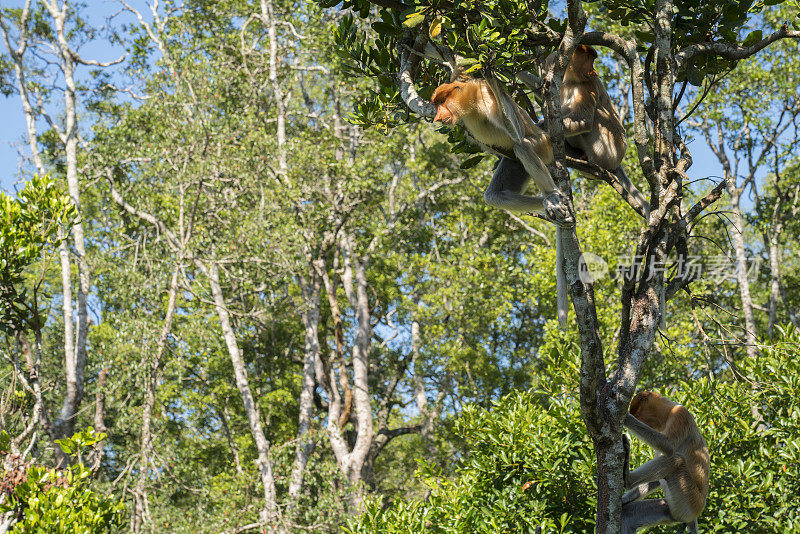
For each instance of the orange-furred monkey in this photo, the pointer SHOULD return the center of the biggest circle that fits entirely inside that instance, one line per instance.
(591, 124)
(498, 123)
(472, 103)
(680, 466)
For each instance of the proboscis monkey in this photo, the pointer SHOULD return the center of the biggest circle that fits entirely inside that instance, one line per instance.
(680, 466)
(591, 124)
(495, 121)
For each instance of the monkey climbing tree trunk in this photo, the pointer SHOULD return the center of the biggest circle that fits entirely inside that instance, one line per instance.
(270, 515)
(654, 62)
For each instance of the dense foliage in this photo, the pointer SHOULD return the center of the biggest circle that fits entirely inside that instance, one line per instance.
(530, 465)
(279, 300)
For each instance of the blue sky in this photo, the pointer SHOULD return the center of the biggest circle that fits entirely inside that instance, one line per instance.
(13, 133)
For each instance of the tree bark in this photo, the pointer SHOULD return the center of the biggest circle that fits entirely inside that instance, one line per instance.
(771, 240)
(270, 514)
(76, 361)
(741, 267)
(268, 18)
(310, 289)
(139, 517)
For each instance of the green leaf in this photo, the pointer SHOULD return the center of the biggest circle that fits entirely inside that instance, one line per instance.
(414, 19)
(471, 162)
(752, 39)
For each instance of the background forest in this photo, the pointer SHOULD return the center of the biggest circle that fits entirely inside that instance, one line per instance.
(230, 303)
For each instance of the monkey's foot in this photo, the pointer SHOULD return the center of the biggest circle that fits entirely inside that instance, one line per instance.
(557, 210)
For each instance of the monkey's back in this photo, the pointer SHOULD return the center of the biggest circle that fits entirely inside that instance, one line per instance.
(686, 491)
(607, 140)
(479, 121)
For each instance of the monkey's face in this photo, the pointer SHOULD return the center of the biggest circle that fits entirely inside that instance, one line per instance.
(581, 66)
(586, 68)
(446, 97)
(644, 407)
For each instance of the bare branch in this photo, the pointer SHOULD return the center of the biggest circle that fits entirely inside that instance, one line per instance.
(94, 63)
(408, 92)
(703, 203)
(732, 51)
(590, 170)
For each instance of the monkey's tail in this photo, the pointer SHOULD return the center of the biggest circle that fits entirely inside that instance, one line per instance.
(562, 301)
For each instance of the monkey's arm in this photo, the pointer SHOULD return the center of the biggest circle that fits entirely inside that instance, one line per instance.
(512, 123)
(578, 114)
(654, 438)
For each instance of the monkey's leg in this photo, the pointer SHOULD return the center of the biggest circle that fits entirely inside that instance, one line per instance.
(505, 189)
(640, 491)
(655, 469)
(638, 514)
(525, 151)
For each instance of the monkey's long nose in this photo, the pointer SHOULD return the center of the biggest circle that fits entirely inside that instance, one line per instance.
(442, 115)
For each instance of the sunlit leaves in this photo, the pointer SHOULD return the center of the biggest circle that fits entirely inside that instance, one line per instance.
(29, 231)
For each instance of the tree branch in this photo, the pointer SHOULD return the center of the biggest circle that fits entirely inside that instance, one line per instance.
(732, 51)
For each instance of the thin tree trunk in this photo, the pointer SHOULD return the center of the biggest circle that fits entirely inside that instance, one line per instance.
(741, 268)
(223, 419)
(310, 289)
(268, 17)
(76, 362)
(270, 514)
(99, 418)
(771, 239)
(361, 396)
(139, 517)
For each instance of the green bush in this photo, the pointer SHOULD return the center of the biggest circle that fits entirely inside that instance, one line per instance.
(530, 463)
(62, 502)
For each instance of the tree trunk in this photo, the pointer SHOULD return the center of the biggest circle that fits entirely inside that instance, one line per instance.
(268, 17)
(771, 240)
(270, 514)
(741, 268)
(361, 397)
(139, 517)
(76, 363)
(305, 444)
(222, 410)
